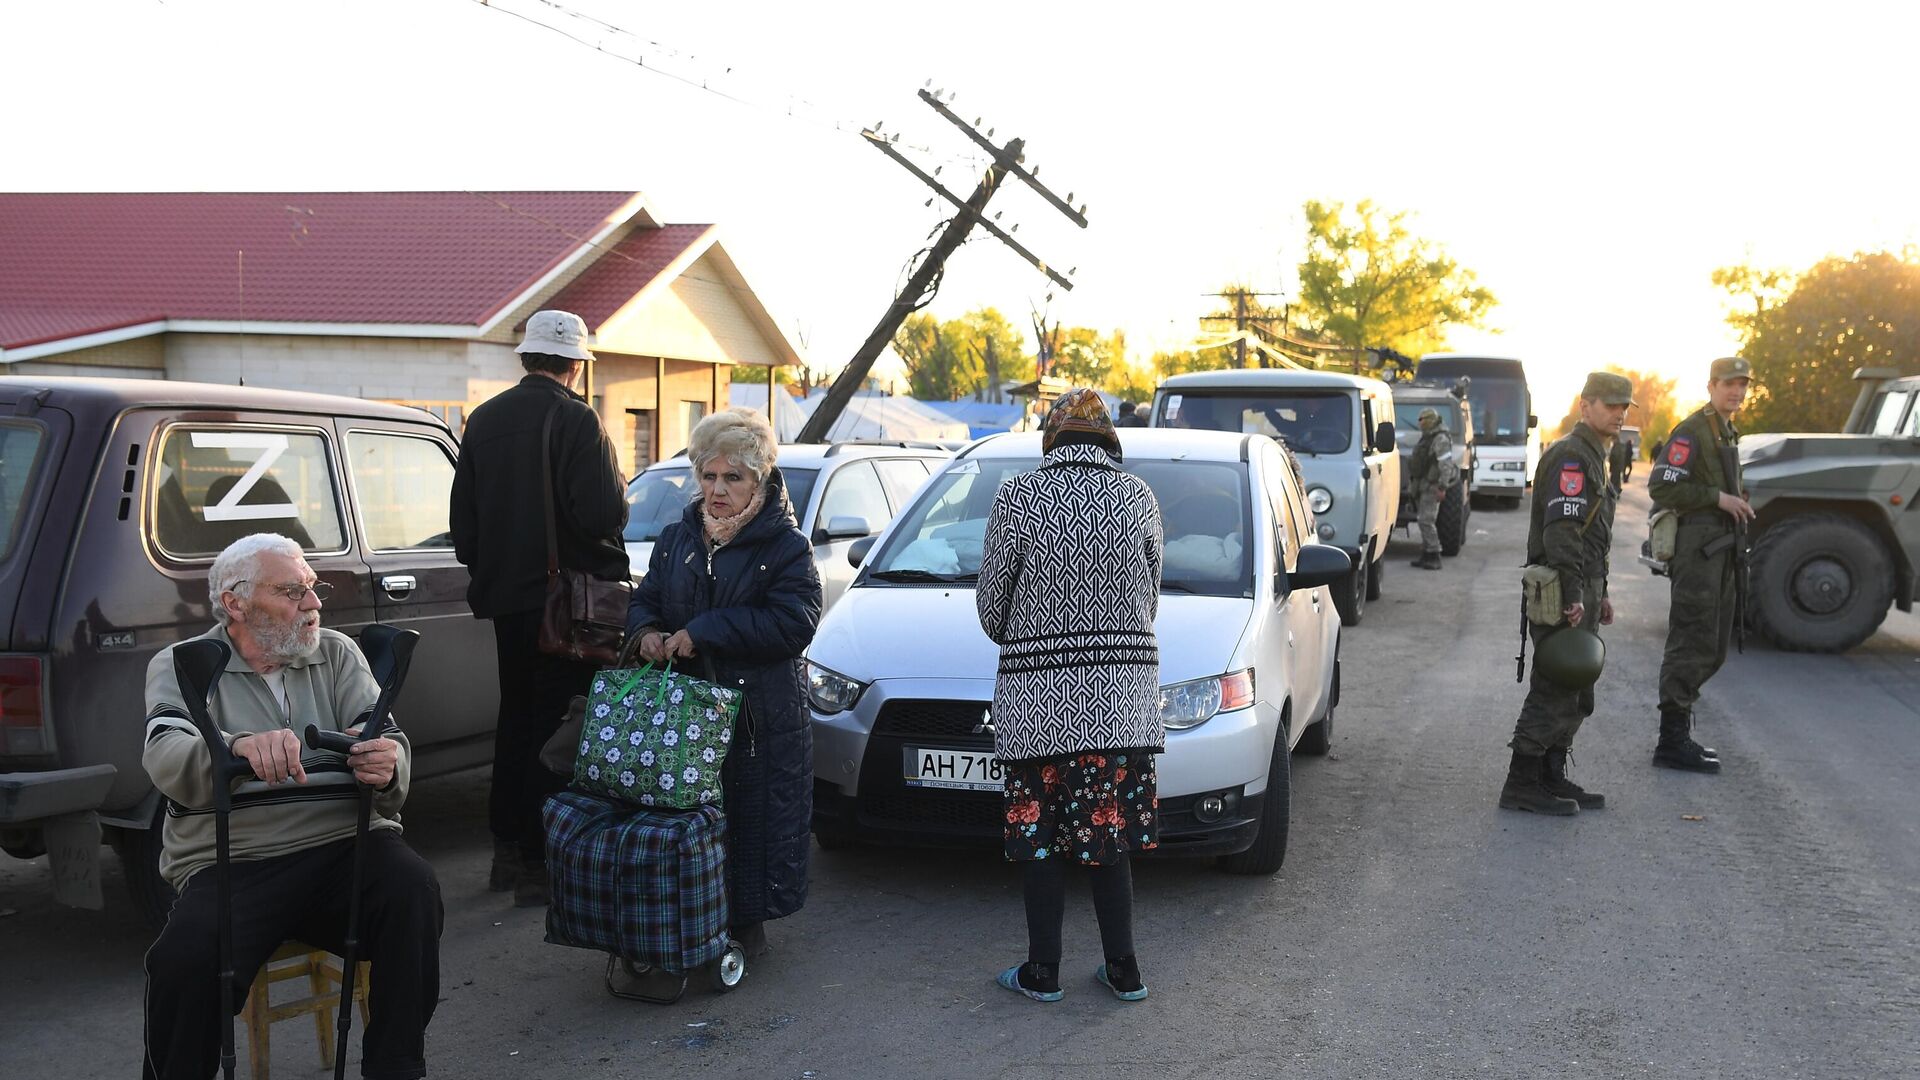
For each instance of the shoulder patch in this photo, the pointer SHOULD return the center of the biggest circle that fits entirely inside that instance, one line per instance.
(1573, 478)
(1679, 450)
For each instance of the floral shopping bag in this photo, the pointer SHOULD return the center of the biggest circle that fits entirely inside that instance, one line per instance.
(656, 737)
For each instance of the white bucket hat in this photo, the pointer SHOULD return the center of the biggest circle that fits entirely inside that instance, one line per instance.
(556, 333)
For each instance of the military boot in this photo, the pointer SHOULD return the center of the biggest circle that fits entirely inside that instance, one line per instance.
(1677, 750)
(1553, 777)
(1428, 560)
(1525, 790)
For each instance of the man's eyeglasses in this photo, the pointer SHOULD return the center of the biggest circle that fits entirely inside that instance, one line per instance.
(296, 592)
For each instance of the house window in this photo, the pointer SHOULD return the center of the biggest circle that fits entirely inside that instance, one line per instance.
(691, 413)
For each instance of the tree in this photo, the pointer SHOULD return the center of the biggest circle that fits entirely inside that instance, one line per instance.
(947, 361)
(1654, 407)
(1185, 360)
(1368, 282)
(1806, 336)
(1084, 358)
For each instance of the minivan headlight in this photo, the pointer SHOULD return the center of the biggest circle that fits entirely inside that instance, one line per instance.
(1190, 704)
(830, 692)
(1319, 499)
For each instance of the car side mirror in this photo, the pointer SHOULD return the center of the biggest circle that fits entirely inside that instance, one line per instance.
(857, 553)
(1532, 421)
(1319, 564)
(1383, 440)
(842, 528)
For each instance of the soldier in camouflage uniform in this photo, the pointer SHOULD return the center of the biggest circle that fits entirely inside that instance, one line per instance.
(1571, 530)
(1426, 469)
(1698, 477)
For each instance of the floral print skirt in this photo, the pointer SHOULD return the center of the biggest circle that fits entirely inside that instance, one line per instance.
(1094, 806)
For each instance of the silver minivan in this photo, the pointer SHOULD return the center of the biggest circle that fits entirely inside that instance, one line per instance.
(901, 677)
(1341, 429)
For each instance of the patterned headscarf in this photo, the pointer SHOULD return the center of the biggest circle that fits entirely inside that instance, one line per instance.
(1079, 409)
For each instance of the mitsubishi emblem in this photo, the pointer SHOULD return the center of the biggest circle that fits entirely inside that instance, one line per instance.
(985, 726)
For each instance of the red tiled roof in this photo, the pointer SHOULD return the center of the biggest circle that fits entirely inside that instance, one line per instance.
(624, 270)
(77, 263)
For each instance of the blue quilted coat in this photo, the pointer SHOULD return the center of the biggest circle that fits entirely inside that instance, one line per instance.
(751, 609)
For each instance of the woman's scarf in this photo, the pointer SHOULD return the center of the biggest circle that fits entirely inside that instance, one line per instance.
(722, 530)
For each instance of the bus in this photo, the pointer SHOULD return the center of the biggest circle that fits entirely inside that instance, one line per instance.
(1506, 431)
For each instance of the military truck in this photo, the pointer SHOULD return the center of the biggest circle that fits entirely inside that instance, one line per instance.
(1457, 414)
(1836, 538)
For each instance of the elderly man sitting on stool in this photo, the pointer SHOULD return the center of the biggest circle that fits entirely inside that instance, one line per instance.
(292, 829)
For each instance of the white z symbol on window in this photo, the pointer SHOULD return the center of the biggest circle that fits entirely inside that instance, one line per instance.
(271, 446)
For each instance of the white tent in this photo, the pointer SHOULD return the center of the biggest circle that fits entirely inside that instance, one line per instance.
(878, 416)
(787, 415)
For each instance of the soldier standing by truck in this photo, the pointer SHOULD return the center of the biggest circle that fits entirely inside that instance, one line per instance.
(1428, 468)
(1698, 478)
(1569, 533)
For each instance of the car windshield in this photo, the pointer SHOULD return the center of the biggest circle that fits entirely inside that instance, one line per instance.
(1203, 509)
(656, 499)
(1309, 422)
(1499, 411)
(1406, 420)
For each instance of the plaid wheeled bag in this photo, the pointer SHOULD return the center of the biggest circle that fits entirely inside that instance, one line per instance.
(649, 886)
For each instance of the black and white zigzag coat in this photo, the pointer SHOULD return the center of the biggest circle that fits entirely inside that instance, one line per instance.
(1069, 587)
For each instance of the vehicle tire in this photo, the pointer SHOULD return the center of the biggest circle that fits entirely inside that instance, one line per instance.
(139, 851)
(1350, 596)
(1317, 740)
(1376, 574)
(1269, 848)
(1452, 520)
(1516, 502)
(1820, 583)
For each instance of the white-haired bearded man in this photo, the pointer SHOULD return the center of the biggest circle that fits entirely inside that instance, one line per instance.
(292, 828)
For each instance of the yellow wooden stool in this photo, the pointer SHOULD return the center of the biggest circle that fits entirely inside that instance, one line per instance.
(321, 969)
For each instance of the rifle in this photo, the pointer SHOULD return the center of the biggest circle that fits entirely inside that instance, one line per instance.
(1730, 470)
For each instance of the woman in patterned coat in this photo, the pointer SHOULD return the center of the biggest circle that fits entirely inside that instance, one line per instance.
(1069, 587)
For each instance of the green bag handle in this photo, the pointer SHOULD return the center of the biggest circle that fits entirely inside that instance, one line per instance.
(638, 677)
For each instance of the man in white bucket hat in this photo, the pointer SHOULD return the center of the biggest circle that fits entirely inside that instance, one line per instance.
(501, 533)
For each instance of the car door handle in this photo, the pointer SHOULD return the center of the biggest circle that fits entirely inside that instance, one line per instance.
(398, 585)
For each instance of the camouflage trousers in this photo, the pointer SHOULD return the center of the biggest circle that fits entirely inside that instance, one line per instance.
(1699, 618)
(1552, 714)
(1428, 508)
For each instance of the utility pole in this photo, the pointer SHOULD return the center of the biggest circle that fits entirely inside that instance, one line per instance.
(919, 288)
(1242, 318)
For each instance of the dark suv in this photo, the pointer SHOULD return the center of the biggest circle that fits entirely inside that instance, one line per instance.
(115, 495)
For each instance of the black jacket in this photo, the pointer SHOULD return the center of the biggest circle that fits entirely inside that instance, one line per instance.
(498, 530)
(751, 612)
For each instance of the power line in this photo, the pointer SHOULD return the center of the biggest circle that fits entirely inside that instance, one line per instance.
(808, 113)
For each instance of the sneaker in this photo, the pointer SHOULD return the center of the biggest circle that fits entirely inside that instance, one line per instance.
(1044, 976)
(1114, 976)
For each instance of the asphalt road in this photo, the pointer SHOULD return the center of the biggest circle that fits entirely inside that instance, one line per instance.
(1763, 923)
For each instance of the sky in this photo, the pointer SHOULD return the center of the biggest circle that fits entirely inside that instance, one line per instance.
(1591, 163)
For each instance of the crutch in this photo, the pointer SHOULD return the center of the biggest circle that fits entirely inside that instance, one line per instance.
(388, 650)
(198, 665)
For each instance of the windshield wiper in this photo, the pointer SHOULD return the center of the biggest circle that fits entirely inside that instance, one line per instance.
(916, 574)
(1178, 586)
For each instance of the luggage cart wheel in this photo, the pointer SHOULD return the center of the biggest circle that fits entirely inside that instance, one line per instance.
(730, 968)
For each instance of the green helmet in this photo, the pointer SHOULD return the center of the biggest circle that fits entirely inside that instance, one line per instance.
(1571, 657)
(1429, 416)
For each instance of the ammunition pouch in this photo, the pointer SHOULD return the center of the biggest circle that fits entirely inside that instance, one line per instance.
(1541, 596)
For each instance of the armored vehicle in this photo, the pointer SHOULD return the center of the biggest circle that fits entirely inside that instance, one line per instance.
(1457, 414)
(1836, 539)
